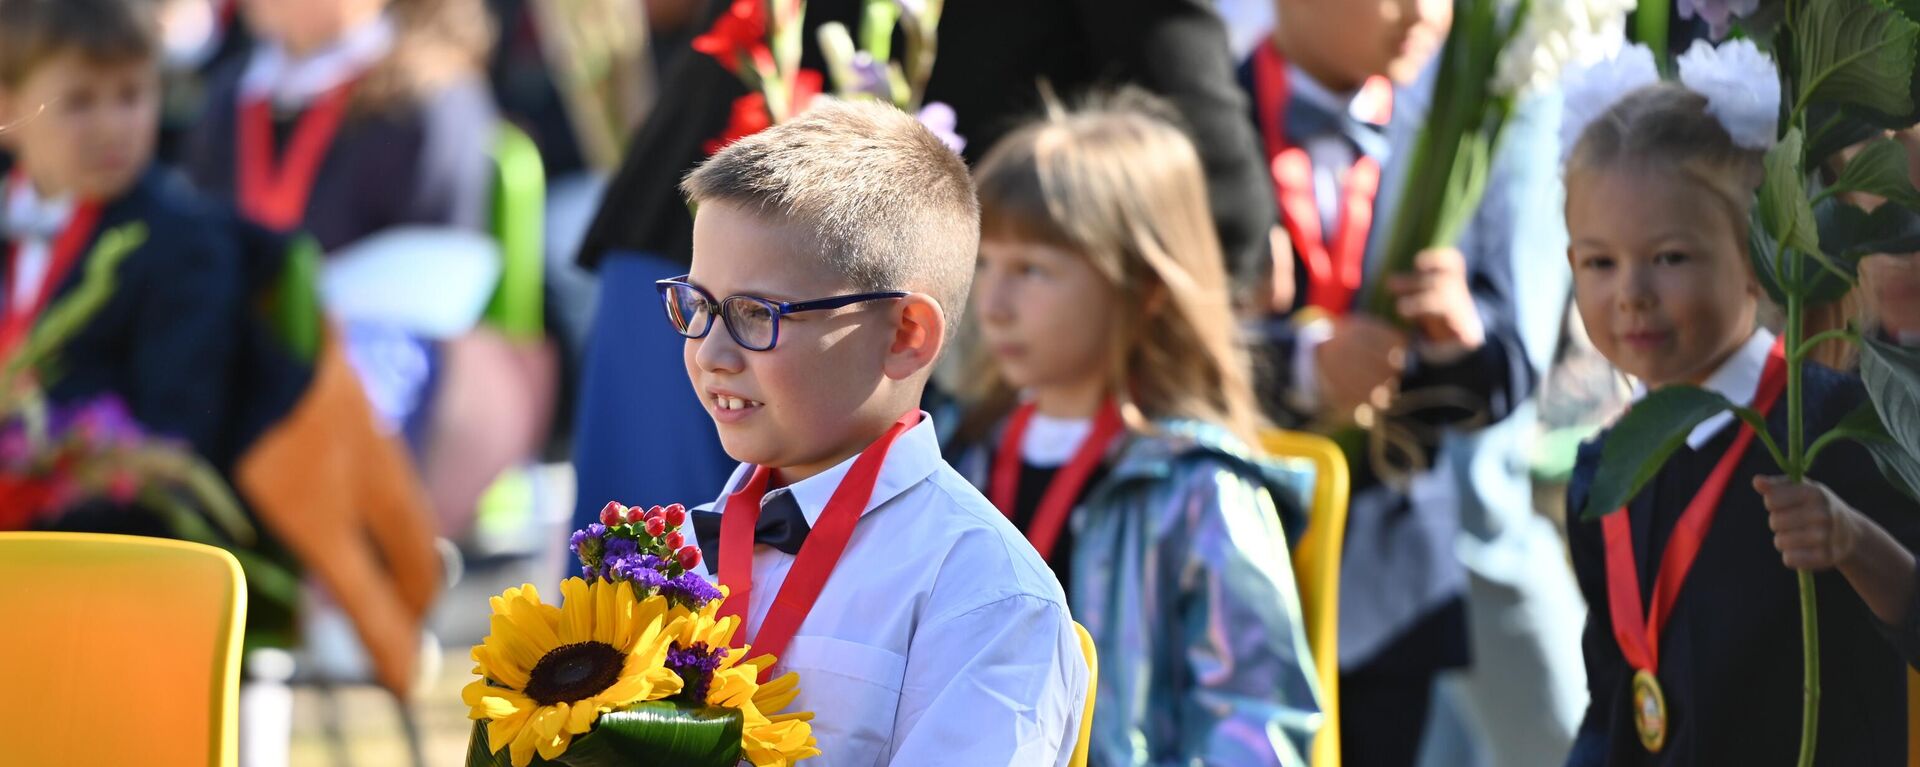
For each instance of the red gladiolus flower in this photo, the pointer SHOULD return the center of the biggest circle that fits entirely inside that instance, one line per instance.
(742, 30)
(750, 114)
(689, 558)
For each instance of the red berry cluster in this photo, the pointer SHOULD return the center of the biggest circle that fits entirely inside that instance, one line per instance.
(662, 524)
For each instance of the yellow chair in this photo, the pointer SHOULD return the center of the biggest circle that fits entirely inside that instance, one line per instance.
(118, 650)
(1316, 567)
(1093, 683)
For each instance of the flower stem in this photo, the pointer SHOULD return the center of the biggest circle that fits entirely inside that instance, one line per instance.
(1796, 470)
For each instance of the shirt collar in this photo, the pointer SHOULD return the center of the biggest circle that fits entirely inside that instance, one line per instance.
(1737, 379)
(913, 457)
(295, 83)
(28, 215)
(1304, 87)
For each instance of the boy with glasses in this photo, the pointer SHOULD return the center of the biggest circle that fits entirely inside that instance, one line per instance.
(831, 261)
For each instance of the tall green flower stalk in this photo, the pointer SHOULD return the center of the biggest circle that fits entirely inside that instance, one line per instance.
(1848, 72)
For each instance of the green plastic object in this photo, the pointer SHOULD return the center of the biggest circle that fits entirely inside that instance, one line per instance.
(519, 219)
(294, 307)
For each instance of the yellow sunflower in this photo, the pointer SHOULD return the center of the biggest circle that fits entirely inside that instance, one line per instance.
(549, 672)
(778, 740)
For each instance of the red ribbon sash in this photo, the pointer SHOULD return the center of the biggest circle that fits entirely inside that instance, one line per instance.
(1051, 517)
(66, 251)
(1635, 629)
(275, 192)
(1334, 268)
(814, 565)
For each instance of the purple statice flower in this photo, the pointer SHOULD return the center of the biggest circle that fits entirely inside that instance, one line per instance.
(1719, 14)
(103, 421)
(621, 547)
(941, 119)
(589, 545)
(15, 448)
(695, 665)
(641, 570)
(690, 589)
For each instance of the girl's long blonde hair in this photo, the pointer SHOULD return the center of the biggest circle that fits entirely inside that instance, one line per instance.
(437, 42)
(1117, 183)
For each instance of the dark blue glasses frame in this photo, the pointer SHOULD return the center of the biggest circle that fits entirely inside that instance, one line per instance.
(730, 309)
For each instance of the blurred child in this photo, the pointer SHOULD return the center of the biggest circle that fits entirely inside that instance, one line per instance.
(1121, 441)
(79, 94)
(831, 260)
(351, 116)
(1707, 669)
(1334, 91)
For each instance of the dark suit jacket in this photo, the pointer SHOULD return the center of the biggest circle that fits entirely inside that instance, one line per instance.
(164, 343)
(1730, 653)
(993, 55)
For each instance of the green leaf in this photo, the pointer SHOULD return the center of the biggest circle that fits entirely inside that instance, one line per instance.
(1765, 253)
(1849, 233)
(654, 734)
(1783, 198)
(1832, 128)
(1640, 443)
(1856, 52)
(1879, 169)
(1863, 427)
(1910, 9)
(1892, 375)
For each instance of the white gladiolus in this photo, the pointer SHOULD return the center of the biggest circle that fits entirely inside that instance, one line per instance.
(1557, 35)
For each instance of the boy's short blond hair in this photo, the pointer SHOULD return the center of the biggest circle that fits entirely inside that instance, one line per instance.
(888, 206)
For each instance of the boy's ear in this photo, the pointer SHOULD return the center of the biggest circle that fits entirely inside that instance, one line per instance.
(919, 333)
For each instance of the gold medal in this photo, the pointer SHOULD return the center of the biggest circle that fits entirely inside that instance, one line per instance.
(1649, 711)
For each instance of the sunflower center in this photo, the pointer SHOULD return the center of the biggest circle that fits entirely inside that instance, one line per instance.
(574, 672)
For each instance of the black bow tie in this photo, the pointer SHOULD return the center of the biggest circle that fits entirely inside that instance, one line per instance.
(782, 525)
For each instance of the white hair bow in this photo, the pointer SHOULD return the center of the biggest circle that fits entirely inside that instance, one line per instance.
(1740, 83)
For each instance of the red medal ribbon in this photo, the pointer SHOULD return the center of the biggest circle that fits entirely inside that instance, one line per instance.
(824, 545)
(1635, 629)
(275, 192)
(66, 251)
(1334, 268)
(1065, 488)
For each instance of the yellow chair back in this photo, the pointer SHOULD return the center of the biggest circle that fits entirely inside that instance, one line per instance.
(1093, 684)
(1316, 567)
(119, 650)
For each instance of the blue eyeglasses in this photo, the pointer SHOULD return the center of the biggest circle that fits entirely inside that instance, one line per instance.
(753, 322)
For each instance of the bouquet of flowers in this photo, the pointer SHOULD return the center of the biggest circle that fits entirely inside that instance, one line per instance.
(633, 666)
(1847, 73)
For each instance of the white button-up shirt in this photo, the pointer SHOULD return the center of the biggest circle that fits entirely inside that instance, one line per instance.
(940, 639)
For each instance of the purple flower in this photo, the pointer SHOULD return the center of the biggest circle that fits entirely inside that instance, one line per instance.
(590, 546)
(621, 547)
(870, 76)
(691, 590)
(1719, 14)
(643, 571)
(940, 118)
(101, 421)
(695, 665)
